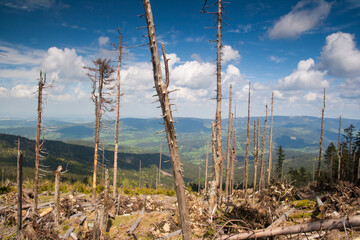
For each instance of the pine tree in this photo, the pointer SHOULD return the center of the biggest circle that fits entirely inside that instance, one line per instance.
(280, 161)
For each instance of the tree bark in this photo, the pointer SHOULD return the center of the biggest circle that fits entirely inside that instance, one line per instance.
(246, 169)
(256, 152)
(338, 152)
(299, 228)
(117, 119)
(41, 84)
(19, 191)
(162, 92)
(270, 143)
(233, 157)
(262, 177)
(321, 139)
(229, 148)
(57, 195)
(206, 165)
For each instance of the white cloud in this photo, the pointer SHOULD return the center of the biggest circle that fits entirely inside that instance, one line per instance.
(306, 15)
(232, 75)
(64, 65)
(103, 41)
(29, 5)
(4, 92)
(306, 76)
(23, 91)
(276, 59)
(278, 94)
(229, 54)
(20, 55)
(195, 39)
(311, 96)
(340, 56)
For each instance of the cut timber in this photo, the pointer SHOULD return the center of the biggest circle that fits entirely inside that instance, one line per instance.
(281, 219)
(300, 228)
(46, 211)
(136, 224)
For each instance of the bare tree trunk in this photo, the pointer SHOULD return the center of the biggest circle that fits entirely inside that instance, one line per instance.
(41, 83)
(199, 178)
(162, 92)
(215, 171)
(256, 152)
(228, 147)
(57, 195)
(321, 139)
(246, 169)
(218, 133)
(338, 152)
(345, 222)
(270, 143)
(233, 157)
(96, 148)
(262, 177)
(159, 182)
(103, 162)
(140, 174)
(206, 166)
(117, 118)
(19, 191)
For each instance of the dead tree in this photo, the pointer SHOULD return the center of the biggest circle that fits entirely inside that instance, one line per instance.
(119, 48)
(246, 169)
(217, 154)
(321, 139)
(19, 190)
(102, 85)
(163, 95)
(262, 173)
(256, 153)
(159, 181)
(270, 143)
(229, 148)
(42, 85)
(57, 195)
(140, 174)
(206, 166)
(233, 156)
(338, 152)
(199, 178)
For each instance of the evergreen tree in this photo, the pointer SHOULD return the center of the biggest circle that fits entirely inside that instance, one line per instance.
(331, 160)
(280, 160)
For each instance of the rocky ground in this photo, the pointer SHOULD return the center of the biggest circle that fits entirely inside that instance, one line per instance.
(156, 216)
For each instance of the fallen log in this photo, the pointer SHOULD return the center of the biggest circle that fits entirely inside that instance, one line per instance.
(136, 223)
(281, 219)
(68, 232)
(170, 235)
(299, 228)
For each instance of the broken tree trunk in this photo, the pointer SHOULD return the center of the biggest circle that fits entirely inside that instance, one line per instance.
(282, 218)
(229, 148)
(299, 228)
(117, 118)
(163, 95)
(206, 165)
(159, 181)
(270, 143)
(140, 174)
(41, 83)
(262, 177)
(256, 153)
(321, 139)
(246, 169)
(19, 190)
(233, 156)
(57, 195)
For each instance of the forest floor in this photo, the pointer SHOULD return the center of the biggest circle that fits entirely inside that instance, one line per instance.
(158, 218)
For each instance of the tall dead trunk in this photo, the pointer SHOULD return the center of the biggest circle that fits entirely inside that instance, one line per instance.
(215, 170)
(229, 148)
(103, 161)
(162, 93)
(262, 173)
(270, 143)
(206, 166)
(96, 147)
(140, 174)
(246, 169)
(41, 84)
(233, 156)
(159, 181)
(57, 195)
(19, 191)
(321, 139)
(199, 184)
(117, 118)
(256, 152)
(338, 152)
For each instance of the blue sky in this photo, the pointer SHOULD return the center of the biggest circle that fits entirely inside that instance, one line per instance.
(291, 48)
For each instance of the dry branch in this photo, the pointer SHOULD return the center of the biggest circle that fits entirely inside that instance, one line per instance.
(299, 228)
(136, 223)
